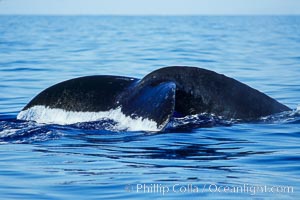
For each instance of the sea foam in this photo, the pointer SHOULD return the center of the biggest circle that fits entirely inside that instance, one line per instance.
(42, 114)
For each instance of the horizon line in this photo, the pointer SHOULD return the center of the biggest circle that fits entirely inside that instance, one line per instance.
(159, 15)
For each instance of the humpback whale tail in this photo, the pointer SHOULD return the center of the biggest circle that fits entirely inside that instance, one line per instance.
(155, 99)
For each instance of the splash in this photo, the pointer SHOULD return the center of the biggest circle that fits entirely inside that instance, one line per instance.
(46, 115)
(292, 116)
(14, 131)
(198, 121)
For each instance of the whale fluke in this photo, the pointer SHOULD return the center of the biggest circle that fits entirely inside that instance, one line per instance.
(203, 91)
(84, 94)
(155, 98)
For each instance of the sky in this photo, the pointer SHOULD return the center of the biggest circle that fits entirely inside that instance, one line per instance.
(151, 7)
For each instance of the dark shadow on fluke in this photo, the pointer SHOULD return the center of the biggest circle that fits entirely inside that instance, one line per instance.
(162, 95)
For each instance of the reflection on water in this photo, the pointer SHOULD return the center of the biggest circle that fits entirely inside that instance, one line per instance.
(64, 158)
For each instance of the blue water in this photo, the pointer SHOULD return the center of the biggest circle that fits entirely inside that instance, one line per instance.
(40, 161)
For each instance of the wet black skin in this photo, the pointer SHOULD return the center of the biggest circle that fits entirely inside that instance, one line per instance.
(200, 90)
(86, 94)
(103, 93)
(186, 90)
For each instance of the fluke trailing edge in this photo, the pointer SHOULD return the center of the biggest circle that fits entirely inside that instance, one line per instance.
(155, 98)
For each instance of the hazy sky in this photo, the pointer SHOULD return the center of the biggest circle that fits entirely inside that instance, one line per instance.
(150, 7)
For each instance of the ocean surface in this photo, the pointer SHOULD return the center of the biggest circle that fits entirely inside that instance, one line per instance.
(258, 160)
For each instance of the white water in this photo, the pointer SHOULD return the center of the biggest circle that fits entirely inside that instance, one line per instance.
(42, 114)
